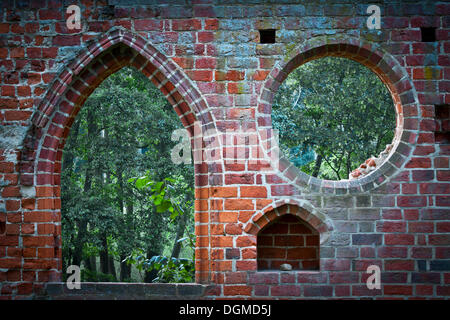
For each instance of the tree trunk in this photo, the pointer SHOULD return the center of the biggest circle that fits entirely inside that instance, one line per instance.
(348, 164)
(93, 262)
(112, 267)
(78, 251)
(67, 261)
(104, 256)
(68, 157)
(87, 263)
(82, 223)
(125, 269)
(120, 192)
(180, 232)
(317, 165)
(150, 275)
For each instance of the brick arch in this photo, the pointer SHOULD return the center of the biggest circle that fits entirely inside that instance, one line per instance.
(51, 122)
(161, 70)
(40, 164)
(301, 208)
(391, 73)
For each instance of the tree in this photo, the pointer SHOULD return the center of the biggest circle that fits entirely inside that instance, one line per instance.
(122, 131)
(333, 114)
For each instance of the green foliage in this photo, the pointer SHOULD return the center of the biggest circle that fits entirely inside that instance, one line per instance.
(162, 194)
(334, 108)
(122, 131)
(169, 269)
(173, 270)
(96, 276)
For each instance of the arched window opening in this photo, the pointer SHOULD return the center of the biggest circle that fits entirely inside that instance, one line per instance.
(336, 119)
(127, 209)
(288, 243)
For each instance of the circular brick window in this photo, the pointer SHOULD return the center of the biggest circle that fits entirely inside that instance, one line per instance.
(336, 119)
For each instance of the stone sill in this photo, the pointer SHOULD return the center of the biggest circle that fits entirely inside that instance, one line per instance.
(123, 291)
(288, 271)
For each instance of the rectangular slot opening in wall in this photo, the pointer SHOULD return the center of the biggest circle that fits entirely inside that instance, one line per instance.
(442, 115)
(2, 227)
(428, 34)
(267, 36)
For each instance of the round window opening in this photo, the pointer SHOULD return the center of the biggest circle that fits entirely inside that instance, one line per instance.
(336, 119)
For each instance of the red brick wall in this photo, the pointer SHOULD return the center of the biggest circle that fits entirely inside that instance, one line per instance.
(206, 58)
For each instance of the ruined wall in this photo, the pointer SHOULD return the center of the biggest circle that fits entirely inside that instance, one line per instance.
(206, 57)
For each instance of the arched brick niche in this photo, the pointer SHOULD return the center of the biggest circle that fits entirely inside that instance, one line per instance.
(301, 208)
(288, 240)
(387, 68)
(40, 164)
(289, 231)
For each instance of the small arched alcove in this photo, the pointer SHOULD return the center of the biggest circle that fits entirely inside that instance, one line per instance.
(288, 240)
(289, 232)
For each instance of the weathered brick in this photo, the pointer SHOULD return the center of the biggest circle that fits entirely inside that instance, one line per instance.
(401, 219)
(367, 239)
